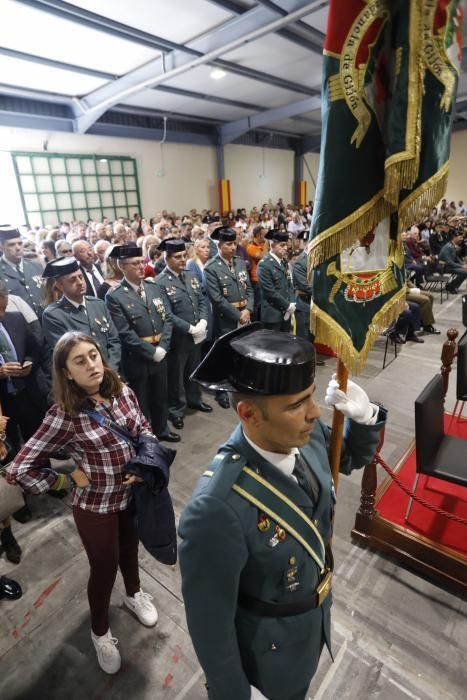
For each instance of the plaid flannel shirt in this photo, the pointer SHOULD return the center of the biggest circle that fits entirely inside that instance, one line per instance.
(100, 453)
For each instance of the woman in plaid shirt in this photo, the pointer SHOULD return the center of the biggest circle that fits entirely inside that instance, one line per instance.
(83, 381)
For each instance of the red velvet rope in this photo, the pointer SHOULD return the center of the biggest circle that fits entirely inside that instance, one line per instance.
(416, 498)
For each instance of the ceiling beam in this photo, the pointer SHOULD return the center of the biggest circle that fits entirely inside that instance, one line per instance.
(41, 60)
(232, 130)
(105, 24)
(190, 94)
(225, 38)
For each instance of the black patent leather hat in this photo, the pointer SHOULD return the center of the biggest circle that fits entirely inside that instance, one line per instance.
(254, 360)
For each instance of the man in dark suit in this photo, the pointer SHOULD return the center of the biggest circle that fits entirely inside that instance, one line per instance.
(303, 291)
(92, 273)
(77, 312)
(145, 328)
(21, 276)
(277, 295)
(20, 357)
(185, 297)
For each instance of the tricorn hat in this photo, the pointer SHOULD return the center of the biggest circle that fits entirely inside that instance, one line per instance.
(7, 232)
(64, 265)
(254, 360)
(172, 245)
(278, 236)
(122, 252)
(224, 233)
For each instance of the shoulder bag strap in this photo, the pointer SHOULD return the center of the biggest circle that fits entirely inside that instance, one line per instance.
(113, 427)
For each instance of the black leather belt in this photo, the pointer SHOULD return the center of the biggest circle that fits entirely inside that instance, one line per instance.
(304, 295)
(263, 608)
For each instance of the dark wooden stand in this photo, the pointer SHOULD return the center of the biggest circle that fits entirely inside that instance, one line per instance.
(442, 564)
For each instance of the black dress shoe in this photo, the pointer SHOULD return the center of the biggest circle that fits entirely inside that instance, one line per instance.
(431, 329)
(415, 339)
(320, 363)
(177, 422)
(10, 545)
(9, 589)
(223, 401)
(396, 338)
(23, 515)
(170, 437)
(203, 407)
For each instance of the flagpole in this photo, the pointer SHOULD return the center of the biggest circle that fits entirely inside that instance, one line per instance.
(338, 425)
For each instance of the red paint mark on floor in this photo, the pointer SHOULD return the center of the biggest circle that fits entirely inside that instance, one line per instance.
(45, 593)
(15, 634)
(27, 614)
(175, 659)
(167, 681)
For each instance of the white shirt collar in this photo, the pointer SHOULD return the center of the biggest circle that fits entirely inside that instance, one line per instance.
(13, 265)
(277, 259)
(285, 463)
(75, 304)
(135, 287)
(229, 264)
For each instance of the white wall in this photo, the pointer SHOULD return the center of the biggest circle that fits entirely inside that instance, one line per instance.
(457, 183)
(181, 178)
(312, 160)
(258, 174)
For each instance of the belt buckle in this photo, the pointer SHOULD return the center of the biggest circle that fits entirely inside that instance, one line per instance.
(324, 587)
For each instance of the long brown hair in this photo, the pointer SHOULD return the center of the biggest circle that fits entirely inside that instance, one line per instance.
(72, 398)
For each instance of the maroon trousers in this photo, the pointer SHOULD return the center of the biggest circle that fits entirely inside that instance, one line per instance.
(110, 541)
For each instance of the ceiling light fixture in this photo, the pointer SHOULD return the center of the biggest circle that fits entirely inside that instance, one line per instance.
(102, 160)
(217, 74)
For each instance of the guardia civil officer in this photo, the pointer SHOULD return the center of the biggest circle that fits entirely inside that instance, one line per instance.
(186, 299)
(275, 283)
(76, 311)
(255, 556)
(22, 277)
(303, 292)
(144, 325)
(229, 288)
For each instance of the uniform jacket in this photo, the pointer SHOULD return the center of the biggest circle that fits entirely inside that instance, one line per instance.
(27, 348)
(187, 303)
(276, 289)
(136, 318)
(224, 288)
(62, 316)
(448, 254)
(224, 553)
(29, 288)
(301, 283)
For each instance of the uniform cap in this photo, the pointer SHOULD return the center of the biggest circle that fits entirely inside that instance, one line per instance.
(7, 232)
(64, 265)
(172, 245)
(279, 236)
(224, 233)
(122, 252)
(254, 360)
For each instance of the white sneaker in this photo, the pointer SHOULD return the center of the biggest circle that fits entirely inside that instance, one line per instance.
(108, 655)
(144, 610)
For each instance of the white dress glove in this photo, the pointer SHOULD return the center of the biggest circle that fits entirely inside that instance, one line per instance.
(159, 354)
(290, 311)
(200, 336)
(354, 403)
(257, 694)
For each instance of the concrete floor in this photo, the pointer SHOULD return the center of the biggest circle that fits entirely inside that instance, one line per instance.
(396, 636)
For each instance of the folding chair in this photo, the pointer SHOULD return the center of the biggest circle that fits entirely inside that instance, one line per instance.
(461, 383)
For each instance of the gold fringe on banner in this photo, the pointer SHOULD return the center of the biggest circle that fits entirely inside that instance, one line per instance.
(328, 332)
(401, 169)
(424, 198)
(342, 235)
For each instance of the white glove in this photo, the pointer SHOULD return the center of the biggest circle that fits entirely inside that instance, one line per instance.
(199, 337)
(290, 311)
(202, 325)
(159, 354)
(192, 330)
(415, 290)
(354, 404)
(257, 694)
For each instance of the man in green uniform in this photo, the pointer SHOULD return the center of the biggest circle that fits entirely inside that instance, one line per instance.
(77, 312)
(255, 555)
(184, 296)
(229, 288)
(145, 329)
(449, 254)
(303, 292)
(22, 277)
(275, 283)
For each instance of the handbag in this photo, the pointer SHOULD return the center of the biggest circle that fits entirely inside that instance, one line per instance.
(11, 497)
(153, 509)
